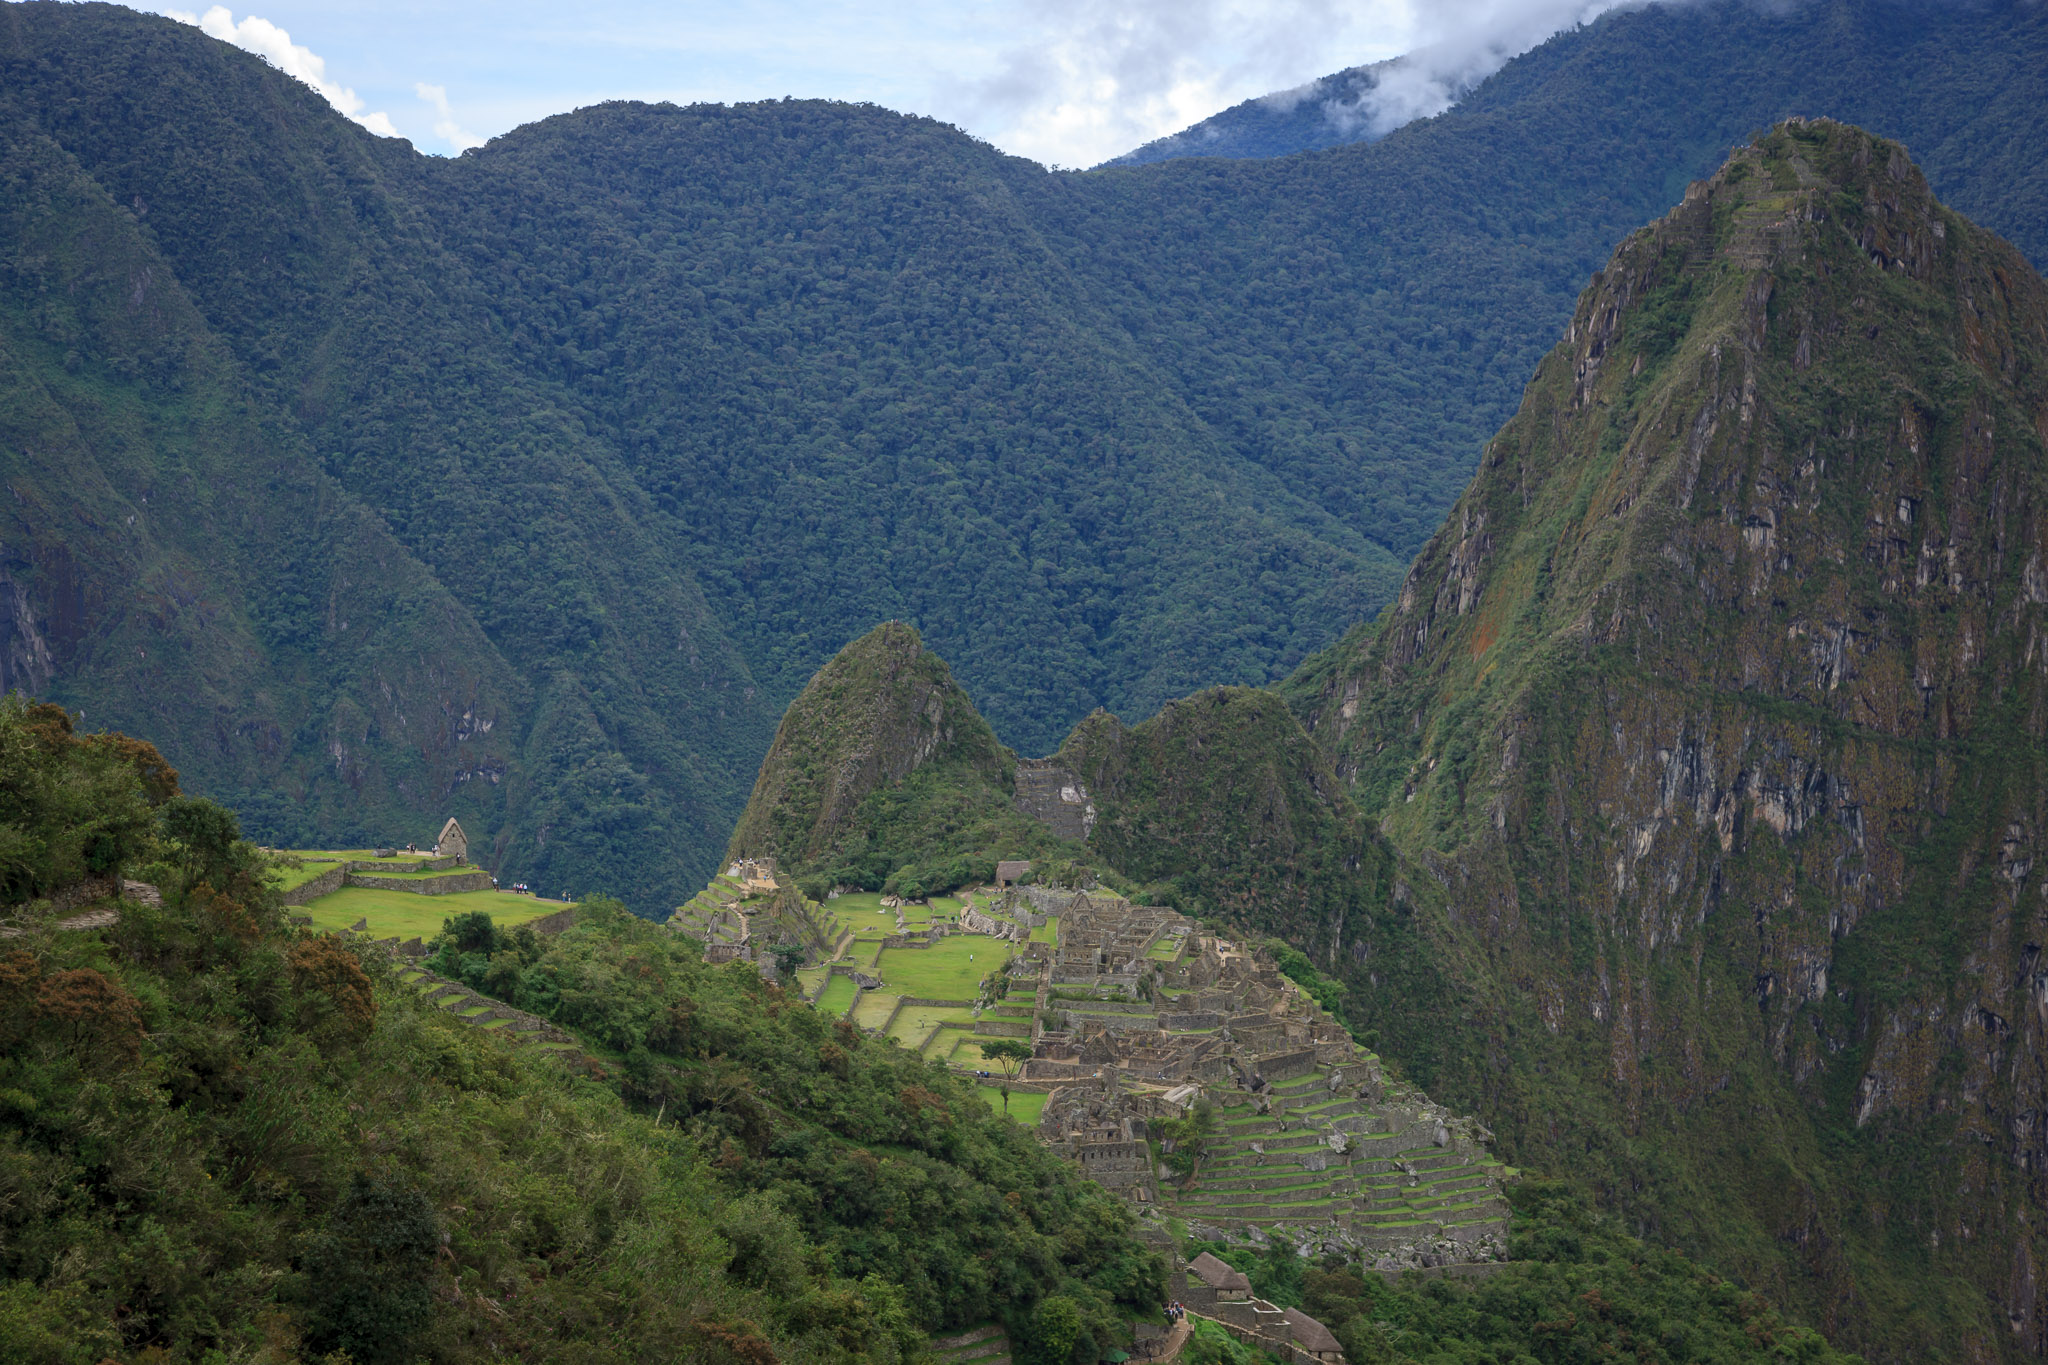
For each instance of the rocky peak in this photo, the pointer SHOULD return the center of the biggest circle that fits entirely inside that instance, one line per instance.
(883, 707)
(1717, 713)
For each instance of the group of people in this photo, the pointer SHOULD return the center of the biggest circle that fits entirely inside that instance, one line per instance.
(1175, 1311)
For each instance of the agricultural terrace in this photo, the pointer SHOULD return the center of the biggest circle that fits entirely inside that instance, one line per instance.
(950, 969)
(405, 914)
(839, 992)
(1025, 1105)
(874, 1009)
(915, 1024)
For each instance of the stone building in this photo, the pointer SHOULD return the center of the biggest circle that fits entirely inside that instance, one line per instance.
(453, 843)
(756, 876)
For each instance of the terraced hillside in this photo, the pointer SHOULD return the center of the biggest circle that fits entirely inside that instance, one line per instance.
(1387, 1186)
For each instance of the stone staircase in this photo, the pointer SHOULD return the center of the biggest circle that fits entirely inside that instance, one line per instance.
(465, 1004)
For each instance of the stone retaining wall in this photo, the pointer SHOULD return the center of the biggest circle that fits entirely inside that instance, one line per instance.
(1285, 1066)
(81, 893)
(422, 886)
(324, 884)
(555, 923)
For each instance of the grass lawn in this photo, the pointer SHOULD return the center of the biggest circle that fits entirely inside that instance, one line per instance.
(410, 915)
(838, 995)
(917, 1022)
(950, 969)
(404, 874)
(367, 855)
(967, 1052)
(873, 1009)
(864, 952)
(1025, 1105)
(1048, 932)
(1167, 949)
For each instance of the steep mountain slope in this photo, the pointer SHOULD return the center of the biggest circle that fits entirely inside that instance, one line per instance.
(1327, 112)
(1361, 319)
(671, 402)
(292, 233)
(176, 555)
(1713, 721)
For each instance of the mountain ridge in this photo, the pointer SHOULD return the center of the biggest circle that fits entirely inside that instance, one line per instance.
(665, 413)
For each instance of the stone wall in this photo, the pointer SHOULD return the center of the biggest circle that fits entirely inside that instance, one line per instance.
(324, 884)
(1283, 1066)
(80, 893)
(555, 923)
(421, 886)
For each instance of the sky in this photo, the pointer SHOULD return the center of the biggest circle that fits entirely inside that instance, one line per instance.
(1064, 82)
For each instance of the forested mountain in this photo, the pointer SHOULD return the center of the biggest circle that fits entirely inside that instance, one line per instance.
(1681, 814)
(1762, 61)
(629, 419)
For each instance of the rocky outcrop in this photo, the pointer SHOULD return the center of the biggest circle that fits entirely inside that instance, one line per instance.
(881, 709)
(1056, 798)
(1712, 731)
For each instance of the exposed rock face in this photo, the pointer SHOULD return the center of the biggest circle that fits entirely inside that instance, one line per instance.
(881, 709)
(1717, 718)
(1056, 798)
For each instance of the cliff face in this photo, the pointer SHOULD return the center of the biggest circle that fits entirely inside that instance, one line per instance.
(1714, 722)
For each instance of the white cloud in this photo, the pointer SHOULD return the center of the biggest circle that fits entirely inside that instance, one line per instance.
(1095, 78)
(1459, 43)
(445, 126)
(275, 46)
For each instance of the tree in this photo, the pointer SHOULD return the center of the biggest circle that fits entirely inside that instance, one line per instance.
(367, 1272)
(789, 957)
(1009, 1054)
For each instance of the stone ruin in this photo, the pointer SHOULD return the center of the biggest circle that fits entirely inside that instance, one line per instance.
(1140, 1018)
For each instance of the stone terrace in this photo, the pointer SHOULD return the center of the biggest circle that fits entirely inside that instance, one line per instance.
(1312, 1142)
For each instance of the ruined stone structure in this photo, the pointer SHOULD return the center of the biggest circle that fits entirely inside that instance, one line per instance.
(1141, 1019)
(755, 875)
(1055, 798)
(453, 843)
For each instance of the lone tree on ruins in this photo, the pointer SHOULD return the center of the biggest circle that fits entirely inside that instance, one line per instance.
(1009, 1054)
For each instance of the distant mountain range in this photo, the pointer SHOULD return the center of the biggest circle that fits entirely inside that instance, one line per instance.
(1777, 59)
(1328, 112)
(528, 486)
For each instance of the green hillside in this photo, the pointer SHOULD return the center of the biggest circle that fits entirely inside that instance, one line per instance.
(529, 485)
(883, 773)
(225, 1138)
(222, 1138)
